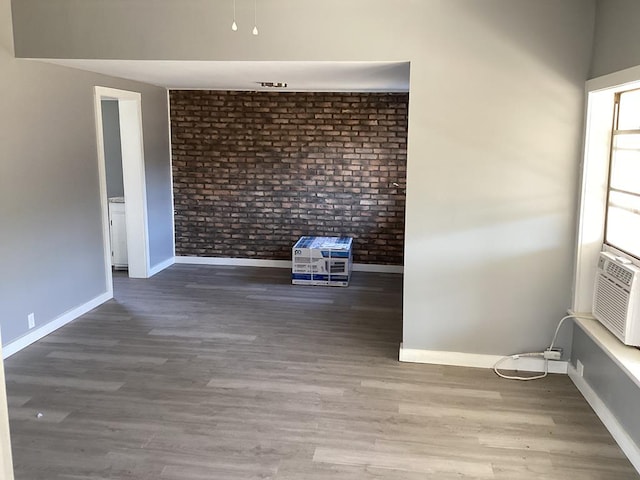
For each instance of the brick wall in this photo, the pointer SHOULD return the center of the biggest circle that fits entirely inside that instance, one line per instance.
(253, 171)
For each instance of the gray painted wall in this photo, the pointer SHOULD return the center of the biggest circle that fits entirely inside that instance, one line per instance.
(495, 128)
(157, 159)
(617, 36)
(609, 382)
(112, 148)
(51, 245)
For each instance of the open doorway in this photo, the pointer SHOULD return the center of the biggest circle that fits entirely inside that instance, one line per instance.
(115, 183)
(126, 197)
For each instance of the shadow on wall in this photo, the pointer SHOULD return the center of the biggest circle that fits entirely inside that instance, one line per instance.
(509, 147)
(509, 28)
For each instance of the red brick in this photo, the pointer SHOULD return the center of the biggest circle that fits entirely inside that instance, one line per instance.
(288, 164)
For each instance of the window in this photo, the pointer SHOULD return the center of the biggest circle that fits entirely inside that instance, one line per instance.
(622, 226)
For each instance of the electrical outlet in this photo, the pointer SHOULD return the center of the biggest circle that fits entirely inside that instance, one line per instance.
(553, 354)
(31, 318)
(580, 368)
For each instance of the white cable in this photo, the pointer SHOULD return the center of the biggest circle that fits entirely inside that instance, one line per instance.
(516, 357)
(533, 354)
(555, 335)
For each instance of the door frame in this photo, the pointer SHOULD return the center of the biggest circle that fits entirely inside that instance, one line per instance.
(133, 174)
(6, 463)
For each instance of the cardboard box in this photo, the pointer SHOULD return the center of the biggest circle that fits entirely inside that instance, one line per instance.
(322, 261)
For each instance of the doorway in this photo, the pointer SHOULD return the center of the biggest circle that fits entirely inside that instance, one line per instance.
(128, 106)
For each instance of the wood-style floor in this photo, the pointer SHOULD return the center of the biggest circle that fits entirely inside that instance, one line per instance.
(205, 373)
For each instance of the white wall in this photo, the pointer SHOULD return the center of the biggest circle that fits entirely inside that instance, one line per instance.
(51, 245)
(495, 127)
(493, 162)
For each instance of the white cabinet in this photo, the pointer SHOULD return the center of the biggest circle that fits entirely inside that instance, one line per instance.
(118, 232)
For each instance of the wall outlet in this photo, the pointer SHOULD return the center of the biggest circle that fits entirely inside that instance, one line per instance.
(553, 354)
(31, 318)
(580, 368)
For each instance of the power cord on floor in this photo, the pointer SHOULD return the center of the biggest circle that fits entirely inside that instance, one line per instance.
(545, 355)
(516, 357)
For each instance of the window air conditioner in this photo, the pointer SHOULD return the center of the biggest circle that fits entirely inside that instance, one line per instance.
(616, 297)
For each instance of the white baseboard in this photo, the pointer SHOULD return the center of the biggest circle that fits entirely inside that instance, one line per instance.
(374, 267)
(616, 430)
(34, 335)
(250, 262)
(161, 266)
(234, 262)
(475, 360)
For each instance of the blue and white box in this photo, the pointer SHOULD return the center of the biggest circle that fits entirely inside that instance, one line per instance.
(322, 261)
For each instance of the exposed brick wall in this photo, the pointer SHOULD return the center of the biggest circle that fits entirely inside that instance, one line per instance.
(253, 171)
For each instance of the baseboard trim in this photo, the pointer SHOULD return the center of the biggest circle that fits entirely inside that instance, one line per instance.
(250, 262)
(616, 430)
(161, 266)
(475, 360)
(34, 335)
(234, 262)
(375, 268)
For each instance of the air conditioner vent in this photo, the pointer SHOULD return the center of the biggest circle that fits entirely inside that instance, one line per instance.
(610, 304)
(619, 273)
(616, 297)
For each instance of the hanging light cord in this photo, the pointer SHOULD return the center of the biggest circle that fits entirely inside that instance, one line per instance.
(234, 25)
(255, 17)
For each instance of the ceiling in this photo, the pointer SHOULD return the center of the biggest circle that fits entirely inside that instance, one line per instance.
(240, 75)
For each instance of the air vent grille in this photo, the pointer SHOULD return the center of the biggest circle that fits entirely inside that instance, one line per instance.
(620, 273)
(610, 305)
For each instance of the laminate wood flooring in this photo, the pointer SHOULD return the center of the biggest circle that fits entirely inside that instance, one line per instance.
(205, 373)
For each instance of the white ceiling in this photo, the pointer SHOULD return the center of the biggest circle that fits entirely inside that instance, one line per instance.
(300, 76)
